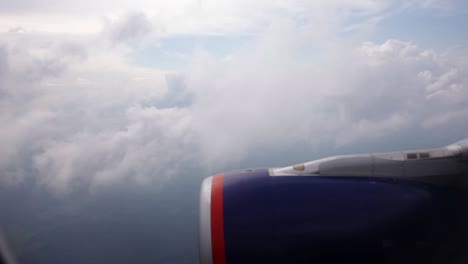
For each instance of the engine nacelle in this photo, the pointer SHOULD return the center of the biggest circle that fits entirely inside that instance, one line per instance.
(374, 208)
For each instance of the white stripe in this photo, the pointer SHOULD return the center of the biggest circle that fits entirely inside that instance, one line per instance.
(205, 222)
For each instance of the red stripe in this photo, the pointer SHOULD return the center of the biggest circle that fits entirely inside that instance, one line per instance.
(217, 220)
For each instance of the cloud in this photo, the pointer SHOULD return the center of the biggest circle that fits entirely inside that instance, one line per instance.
(209, 17)
(16, 30)
(3, 61)
(450, 6)
(192, 17)
(77, 113)
(153, 146)
(129, 29)
(75, 116)
(446, 119)
(265, 96)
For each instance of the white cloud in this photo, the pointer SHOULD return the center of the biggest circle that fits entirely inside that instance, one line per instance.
(202, 17)
(154, 145)
(444, 6)
(265, 96)
(72, 115)
(447, 119)
(49, 23)
(77, 113)
(179, 16)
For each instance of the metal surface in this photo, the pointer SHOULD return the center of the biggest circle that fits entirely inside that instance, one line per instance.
(417, 165)
(205, 249)
(463, 145)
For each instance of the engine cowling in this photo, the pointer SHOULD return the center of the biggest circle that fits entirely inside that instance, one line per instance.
(369, 211)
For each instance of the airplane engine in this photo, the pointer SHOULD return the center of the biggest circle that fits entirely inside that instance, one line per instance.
(399, 207)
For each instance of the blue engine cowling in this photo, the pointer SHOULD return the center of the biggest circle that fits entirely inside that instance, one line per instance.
(252, 217)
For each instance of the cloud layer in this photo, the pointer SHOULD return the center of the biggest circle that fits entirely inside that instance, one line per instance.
(76, 112)
(268, 95)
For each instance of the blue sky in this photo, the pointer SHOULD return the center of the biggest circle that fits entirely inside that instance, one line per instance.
(145, 99)
(174, 52)
(439, 30)
(426, 29)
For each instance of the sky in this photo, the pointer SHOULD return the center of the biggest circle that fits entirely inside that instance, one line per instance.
(112, 112)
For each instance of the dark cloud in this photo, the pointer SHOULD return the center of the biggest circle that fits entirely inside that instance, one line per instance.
(177, 95)
(130, 29)
(3, 63)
